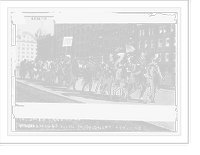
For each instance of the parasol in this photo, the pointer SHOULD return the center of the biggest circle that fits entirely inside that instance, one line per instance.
(125, 48)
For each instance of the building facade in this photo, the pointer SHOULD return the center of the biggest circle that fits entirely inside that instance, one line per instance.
(159, 39)
(93, 39)
(45, 47)
(26, 47)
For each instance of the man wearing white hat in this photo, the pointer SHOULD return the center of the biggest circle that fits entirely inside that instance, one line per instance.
(137, 75)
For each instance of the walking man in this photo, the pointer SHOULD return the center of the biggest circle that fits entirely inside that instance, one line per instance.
(108, 76)
(88, 73)
(53, 72)
(100, 68)
(137, 77)
(154, 73)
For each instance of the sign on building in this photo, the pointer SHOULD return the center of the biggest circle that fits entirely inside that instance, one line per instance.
(67, 41)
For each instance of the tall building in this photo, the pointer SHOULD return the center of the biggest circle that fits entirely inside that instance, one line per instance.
(26, 47)
(161, 39)
(93, 39)
(45, 47)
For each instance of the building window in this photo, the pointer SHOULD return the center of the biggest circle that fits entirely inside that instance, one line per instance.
(174, 41)
(32, 49)
(142, 32)
(27, 56)
(166, 57)
(31, 52)
(174, 57)
(140, 45)
(27, 44)
(172, 27)
(23, 48)
(18, 48)
(159, 42)
(23, 44)
(31, 57)
(150, 31)
(23, 56)
(146, 43)
(164, 29)
(160, 29)
(152, 43)
(23, 52)
(167, 42)
(27, 48)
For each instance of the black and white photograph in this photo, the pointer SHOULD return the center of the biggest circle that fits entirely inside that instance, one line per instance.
(94, 71)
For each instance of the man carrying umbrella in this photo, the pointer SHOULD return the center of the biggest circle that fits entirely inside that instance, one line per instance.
(137, 75)
(121, 66)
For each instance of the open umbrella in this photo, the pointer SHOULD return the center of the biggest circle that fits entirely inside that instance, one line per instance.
(125, 48)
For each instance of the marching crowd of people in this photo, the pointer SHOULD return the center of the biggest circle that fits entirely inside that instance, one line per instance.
(120, 71)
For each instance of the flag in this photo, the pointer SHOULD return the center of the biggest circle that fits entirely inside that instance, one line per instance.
(129, 48)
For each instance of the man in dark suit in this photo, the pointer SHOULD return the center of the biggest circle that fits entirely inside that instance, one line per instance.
(154, 73)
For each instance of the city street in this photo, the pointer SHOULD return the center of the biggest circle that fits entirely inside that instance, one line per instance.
(59, 94)
(44, 102)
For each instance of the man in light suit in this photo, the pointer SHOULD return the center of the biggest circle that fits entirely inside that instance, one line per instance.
(154, 73)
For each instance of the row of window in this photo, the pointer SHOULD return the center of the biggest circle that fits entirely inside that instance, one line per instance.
(167, 57)
(27, 48)
(160, 43)
(151, 31)
(27, 44)
(23, 56)
(19, 52)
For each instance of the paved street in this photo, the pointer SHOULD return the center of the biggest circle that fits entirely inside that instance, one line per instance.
(58, 94)
(44, 101)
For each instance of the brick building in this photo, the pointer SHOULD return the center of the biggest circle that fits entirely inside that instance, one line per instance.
(93, 39)
(159, 39)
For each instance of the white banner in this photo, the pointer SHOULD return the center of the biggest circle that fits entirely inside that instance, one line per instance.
(67, 41)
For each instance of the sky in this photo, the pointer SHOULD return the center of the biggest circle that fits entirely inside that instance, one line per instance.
(33, 25)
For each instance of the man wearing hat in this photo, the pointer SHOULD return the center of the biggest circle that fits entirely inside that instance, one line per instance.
(154, 73)
(137, 75)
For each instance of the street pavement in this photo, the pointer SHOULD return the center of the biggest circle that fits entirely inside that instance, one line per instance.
(163, 97)
(94, 107)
